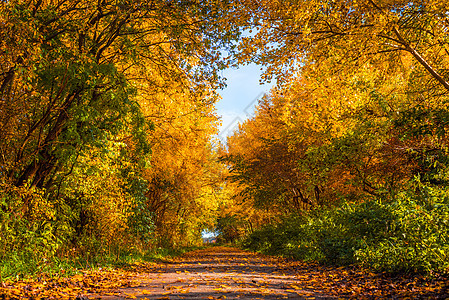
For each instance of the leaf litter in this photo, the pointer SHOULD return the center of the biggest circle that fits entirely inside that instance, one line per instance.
(229, 273)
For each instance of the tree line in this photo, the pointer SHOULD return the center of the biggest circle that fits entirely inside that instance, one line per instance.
(107, 117)
(352, 142)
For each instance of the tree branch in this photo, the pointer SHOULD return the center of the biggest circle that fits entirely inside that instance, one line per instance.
(421, 60)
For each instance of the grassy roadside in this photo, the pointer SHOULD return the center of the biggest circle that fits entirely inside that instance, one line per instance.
(19, 267)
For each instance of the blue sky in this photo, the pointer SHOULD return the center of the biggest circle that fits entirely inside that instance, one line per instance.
(240, 96)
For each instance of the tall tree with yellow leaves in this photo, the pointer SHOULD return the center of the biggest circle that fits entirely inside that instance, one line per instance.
(79, 81)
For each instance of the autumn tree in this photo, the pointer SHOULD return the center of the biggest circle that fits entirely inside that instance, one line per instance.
(323, 138)
(350, 32)
(183, 172)
(347, 35)
(67, 75)
(86, 90)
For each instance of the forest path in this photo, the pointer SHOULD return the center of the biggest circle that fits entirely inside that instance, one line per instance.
(228, 273)
(222, 273)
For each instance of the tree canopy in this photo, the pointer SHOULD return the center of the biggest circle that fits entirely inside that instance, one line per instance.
(107, 124)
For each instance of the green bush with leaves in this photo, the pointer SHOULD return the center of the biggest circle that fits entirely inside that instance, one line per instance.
(418, 239)
(30, 233)
(408, 233)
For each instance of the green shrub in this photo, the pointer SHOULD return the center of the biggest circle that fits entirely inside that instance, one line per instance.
(409, 233)
(418, 239)
(28, 229)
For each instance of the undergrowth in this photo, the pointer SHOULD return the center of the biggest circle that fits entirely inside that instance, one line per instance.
(406, 234)
(39, 237)
(19, 265)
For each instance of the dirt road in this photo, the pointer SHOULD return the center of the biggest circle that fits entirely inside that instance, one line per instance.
(220, 273)
(228, 273)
